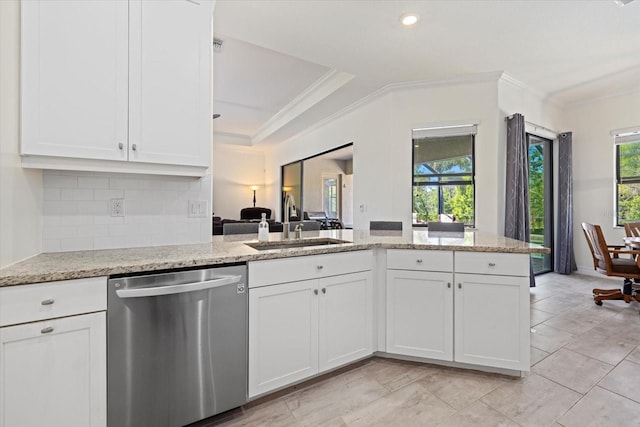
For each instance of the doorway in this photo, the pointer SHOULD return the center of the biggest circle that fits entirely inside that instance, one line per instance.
(541, 200)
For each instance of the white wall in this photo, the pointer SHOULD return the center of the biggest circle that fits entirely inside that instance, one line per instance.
(234, 170)
(314, 171)
(20, 189)
(381, 133)
(593, 165)
(368, 128)
(77, 216)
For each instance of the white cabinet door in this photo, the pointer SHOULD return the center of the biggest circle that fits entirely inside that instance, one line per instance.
(283, 335)
(346, 325)
(492, 320)
(56, 378)
(420, 314)
(74, 78)
(170, 81)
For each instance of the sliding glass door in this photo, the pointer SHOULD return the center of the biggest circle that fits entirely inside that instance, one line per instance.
(541, 200)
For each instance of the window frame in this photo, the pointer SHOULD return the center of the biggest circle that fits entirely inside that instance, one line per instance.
(619, 140)
(439, 184)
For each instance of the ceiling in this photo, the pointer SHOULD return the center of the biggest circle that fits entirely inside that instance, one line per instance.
(288, 64)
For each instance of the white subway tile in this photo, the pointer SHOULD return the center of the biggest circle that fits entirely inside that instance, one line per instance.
(93, 207)
(76, 244)
(76, 220)
(51, 245)
(59, 232)
(177, 185)
(117, 230)
(93, 230)
(76, 194)
(107, 243)
(60, 181)
(51, 220)
(108, 194)
(106, 219)
(51, 194)
(93, 182)
(56, 207)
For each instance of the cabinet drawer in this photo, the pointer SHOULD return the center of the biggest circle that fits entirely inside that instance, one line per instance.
(408, 259)
(500, 264)
(40, 301)
(262, 273)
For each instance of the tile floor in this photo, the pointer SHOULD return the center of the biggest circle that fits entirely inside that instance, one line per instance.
(585, 372)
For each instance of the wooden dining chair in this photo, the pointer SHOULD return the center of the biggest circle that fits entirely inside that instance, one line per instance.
(606, 260)
(632, 229)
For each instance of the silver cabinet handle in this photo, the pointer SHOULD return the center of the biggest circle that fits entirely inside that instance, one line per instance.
(459, 285)
(48, 301)
(419, 261)
(46, 330)
(449, 285)
(315, 292)
(320, 267)
(134, 147)
(492, 264)
(324, 290)
(120, 145)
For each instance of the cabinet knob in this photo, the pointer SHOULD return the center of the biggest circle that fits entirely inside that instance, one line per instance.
(120, 145)
(315, 292)
(134, 147)
(48, 301)
(492, 264)
(419, 261)
(324, 290)
(320, 267)
(46, 330)
(459, 285)
(449, 285)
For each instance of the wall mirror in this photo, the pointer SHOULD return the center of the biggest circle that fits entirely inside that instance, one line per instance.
(321, 186)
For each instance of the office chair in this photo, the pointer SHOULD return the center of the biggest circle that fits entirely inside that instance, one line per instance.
(606, 261)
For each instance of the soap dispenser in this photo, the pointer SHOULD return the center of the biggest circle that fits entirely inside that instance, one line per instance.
(263, 229)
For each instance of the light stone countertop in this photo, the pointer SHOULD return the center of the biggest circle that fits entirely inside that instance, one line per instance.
(49, 267)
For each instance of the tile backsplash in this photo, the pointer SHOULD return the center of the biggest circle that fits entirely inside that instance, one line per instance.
(77, 210)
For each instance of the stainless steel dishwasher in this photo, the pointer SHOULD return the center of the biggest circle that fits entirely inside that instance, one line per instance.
(176, 346)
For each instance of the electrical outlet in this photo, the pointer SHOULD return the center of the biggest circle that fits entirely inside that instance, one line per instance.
(197, 209)
(117, 207)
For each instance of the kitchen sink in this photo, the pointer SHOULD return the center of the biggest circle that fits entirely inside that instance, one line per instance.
(295, 243)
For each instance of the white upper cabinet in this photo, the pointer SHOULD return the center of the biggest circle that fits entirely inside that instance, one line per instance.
(74, 79)
(170, 81)
(106, 81)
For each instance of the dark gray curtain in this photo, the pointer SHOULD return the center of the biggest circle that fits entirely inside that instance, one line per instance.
(565, 261)
(516, 223)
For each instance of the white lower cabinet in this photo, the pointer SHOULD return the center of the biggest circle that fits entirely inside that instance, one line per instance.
(420, 314)
(301, 328)
(53, 355)
(475, 313)
(283, 335)
(492, 321)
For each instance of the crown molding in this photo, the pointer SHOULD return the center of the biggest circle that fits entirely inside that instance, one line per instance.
(231, 139)
(390, 88)
(542, 95)
(319, 90)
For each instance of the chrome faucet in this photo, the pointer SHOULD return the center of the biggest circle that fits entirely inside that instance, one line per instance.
(289, 205)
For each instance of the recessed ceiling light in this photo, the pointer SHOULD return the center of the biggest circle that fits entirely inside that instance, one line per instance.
(409, 19)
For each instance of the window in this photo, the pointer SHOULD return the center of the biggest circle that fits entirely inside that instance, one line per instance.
(627, 178)
(443, 174)
(330, 196)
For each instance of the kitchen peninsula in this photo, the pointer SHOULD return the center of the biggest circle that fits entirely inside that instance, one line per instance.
(314, 305)
(232, 248)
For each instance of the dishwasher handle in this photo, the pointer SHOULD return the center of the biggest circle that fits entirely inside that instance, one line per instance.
(177, 289)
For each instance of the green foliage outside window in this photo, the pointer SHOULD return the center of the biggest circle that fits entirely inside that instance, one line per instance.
(628, 182)
(443, 179)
